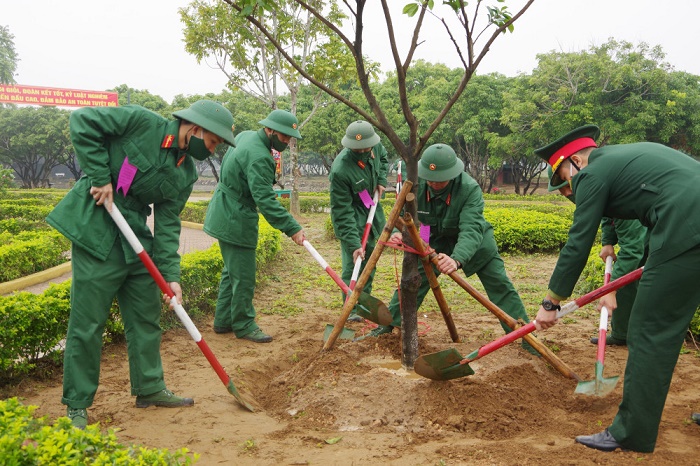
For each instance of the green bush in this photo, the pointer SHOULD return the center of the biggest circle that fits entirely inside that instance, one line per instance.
(18, 225)
(26, 440)
(527, 231)
(194, 212)
(28, 212)
(31, 252)
(33, 325)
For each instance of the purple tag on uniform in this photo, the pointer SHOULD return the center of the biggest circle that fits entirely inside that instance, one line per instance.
(126, 176)
(425, 233)
(366, 199)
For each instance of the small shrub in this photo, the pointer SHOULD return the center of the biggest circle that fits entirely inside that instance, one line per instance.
(25, 439)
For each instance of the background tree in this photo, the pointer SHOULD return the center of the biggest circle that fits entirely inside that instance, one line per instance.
(129, 95)
(254, 65)
(33, 141)
(8, 56)
(464, 26)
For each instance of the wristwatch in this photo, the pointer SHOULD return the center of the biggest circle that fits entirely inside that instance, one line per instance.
(549, 305)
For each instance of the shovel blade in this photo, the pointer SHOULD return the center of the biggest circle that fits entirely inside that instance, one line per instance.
(371, 308)
(597, 387)
(345, 334)
(233, 391)
(443, 365)
(600, 386)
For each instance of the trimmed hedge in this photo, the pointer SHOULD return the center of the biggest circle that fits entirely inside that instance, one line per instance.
(33, 325)
(25, 439)
(30, 252)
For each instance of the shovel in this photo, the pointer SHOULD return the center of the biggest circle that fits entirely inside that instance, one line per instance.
(601, 386)
(365, 237)
(369, 307)
(449, 364)
(179, 310)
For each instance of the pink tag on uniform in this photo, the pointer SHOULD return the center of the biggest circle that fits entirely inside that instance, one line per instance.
(425, 233)
(126, 176)
(366, 199)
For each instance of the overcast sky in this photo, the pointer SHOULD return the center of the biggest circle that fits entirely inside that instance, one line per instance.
(98, 44)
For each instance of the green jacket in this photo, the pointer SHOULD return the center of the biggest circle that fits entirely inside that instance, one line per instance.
(631, 236)
(102, 138)
(245, 185)
(652, 183)
(455, 216)
(348, 179)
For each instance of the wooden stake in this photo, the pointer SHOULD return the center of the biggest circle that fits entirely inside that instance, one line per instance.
(430, 274)
(371, 264)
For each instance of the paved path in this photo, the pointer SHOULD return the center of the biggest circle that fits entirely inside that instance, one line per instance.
(191, 239)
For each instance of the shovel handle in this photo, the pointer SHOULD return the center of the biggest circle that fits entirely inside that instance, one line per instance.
(603, 323)
(566, 309)
(365, 237)
(324, 265)
(130, 236)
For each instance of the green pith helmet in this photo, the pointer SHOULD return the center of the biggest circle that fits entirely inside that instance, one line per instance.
(360, 135)
(551, 188)
(439, 163)
(283, 122)
(211, 116)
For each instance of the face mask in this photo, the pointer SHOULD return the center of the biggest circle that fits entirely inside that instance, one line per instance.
(197, 149)
(278, 145)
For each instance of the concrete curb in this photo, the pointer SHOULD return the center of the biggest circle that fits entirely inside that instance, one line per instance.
(35, 279)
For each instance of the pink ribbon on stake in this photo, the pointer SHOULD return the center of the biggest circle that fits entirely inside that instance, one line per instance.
(366, 199)
(126, 176)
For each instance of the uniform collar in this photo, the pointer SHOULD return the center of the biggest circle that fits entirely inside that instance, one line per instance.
(170, 136)
(263, 137)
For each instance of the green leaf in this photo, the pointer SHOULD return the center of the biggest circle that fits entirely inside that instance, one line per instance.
(333, 441)
(411, 9)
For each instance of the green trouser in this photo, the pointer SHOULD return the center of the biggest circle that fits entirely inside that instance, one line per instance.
(348, 266)
(621, 316)
(492, 274)
(234, 306)
(94, 286)
(667, 297)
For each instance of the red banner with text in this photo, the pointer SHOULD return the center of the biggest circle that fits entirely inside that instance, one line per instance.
(36, 95)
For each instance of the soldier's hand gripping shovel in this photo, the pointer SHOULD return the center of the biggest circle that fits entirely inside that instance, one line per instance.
(449, 364)
(179, 310)
(601, 386)
(368, 307)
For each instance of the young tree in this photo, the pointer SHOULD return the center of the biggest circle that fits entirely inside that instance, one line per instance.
(254, 65)
(464, 26)
(8, 56)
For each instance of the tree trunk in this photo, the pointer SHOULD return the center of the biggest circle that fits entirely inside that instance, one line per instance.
(410, 279)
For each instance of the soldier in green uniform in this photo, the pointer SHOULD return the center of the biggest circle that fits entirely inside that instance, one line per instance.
(245, 185)
(451, 213)
(357, 172)
(660, 187)
(134, 158)
(631, 236)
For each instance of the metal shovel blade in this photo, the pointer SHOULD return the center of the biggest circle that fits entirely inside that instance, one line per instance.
(370, 308)
(600, 386)
(443, 365)
(233, 391)
(345, 334)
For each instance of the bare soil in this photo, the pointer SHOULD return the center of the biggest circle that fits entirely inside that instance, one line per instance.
(355, 404)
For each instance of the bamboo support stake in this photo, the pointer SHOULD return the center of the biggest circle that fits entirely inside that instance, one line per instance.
(430, 274)
(371, 264)
(540, 347)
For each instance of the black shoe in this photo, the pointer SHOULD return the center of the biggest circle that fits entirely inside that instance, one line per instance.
(695, 417)
(222, 329)
(610, 341)
(603, 441)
